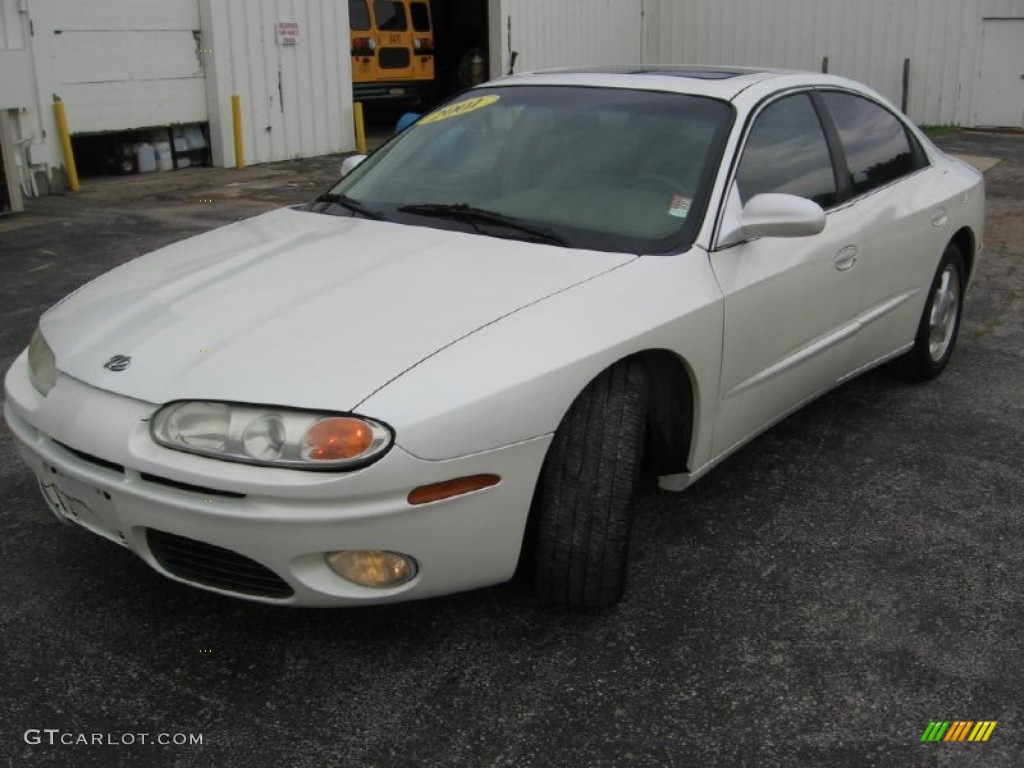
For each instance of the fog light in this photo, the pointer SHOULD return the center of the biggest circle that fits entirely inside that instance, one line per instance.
(372, 567)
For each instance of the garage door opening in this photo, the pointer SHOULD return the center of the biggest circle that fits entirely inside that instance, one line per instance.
(6, 204)
(408, 55)
(10, 192)
(141, 151)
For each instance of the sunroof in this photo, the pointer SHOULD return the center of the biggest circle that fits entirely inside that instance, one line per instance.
(698, 74)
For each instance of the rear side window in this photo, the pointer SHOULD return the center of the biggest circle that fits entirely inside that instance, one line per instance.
(358, 16)
(420, 17)
(874, 141)
(786, 152)
(390, 15)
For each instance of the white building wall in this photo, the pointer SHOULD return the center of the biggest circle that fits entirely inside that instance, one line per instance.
(16, 89)
(117, 65)
(12, 31)
(867, 40)
(296, 99)
(123, 64)
(558, 33)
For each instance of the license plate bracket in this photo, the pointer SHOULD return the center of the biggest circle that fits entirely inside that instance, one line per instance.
(73, 501)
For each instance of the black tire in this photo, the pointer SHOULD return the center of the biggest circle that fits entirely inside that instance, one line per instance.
(584, 503)
(940, 324)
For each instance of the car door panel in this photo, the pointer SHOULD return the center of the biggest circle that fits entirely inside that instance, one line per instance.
(903, 201)
(790, 303)
(899, 255)
(789, 317)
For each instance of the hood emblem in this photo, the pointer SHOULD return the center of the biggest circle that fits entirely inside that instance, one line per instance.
(118, 363)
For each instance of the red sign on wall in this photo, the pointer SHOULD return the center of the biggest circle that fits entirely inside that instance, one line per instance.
(287, 32)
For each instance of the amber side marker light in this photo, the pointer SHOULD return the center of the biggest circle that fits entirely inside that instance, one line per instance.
(448, 488)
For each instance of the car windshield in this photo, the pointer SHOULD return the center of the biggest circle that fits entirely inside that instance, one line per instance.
(599, 168)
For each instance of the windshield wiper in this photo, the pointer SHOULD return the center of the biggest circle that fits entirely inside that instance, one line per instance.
(353, 205)
(472, 215)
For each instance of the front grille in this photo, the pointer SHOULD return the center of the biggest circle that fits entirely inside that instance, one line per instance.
(201, 489)
(212, 566)
(92, 459)
(393, 58)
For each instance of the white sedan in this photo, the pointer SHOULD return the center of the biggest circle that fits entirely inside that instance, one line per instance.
(461, 356)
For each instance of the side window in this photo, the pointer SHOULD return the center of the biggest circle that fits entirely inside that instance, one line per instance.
(786, 152)
(874, 141)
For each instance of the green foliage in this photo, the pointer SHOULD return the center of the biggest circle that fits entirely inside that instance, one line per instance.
(937, 131)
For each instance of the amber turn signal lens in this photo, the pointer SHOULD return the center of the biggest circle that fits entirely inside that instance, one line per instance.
(337, 438)
(445, 490)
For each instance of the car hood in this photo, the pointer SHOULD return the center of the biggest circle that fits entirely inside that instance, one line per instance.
(299, 309)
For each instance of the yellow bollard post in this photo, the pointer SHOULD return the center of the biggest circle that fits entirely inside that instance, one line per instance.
(360, 128)
(236, 116)
(65, 143)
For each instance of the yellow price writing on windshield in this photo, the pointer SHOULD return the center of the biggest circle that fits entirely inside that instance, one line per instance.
(458, 108)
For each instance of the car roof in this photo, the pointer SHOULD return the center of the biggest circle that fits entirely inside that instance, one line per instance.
(725, 82)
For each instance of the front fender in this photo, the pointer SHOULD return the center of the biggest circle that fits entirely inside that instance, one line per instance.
(514, 379)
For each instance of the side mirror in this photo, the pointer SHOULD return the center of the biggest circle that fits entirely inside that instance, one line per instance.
(349, 164)
(775, 215)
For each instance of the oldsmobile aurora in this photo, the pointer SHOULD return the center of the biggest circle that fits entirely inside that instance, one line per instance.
(460, 356)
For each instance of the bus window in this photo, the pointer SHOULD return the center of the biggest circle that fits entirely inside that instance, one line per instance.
(390, 15)
(358, 16)
(420, 17)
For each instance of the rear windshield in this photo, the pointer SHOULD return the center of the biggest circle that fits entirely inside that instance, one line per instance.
(601, 168)
(390, 15)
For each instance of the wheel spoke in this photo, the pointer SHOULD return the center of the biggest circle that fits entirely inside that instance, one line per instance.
(942, 318)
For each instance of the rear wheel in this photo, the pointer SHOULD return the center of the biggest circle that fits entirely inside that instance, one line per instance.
(940, 321)
(584, 501)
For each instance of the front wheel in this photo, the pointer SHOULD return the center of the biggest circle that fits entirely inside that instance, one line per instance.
(940, 321)
(584, 502)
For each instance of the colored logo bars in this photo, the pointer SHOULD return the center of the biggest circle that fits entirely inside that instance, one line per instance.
(958, 730)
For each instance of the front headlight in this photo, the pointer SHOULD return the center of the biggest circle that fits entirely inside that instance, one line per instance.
(273, 437)
(42, 366)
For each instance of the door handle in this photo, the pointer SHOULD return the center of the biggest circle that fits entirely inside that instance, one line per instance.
(846, 258)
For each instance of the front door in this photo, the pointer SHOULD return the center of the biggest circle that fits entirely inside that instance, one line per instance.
(790, 303)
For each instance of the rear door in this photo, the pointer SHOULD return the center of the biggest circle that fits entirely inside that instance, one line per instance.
(903, 203)
(394, 39)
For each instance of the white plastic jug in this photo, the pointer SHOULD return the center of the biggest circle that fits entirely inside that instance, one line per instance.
(145, 157)
(164, 161)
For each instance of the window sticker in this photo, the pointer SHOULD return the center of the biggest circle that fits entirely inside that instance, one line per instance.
(458, 108)
(679, 206)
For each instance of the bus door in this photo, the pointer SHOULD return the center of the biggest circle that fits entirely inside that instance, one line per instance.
(394, 40)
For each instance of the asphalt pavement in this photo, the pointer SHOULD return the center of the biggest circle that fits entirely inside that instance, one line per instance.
(817, 600)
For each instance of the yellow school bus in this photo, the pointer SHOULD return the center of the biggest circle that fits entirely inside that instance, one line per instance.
(392, 49)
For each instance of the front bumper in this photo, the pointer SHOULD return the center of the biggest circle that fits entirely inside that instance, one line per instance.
(257, 532)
